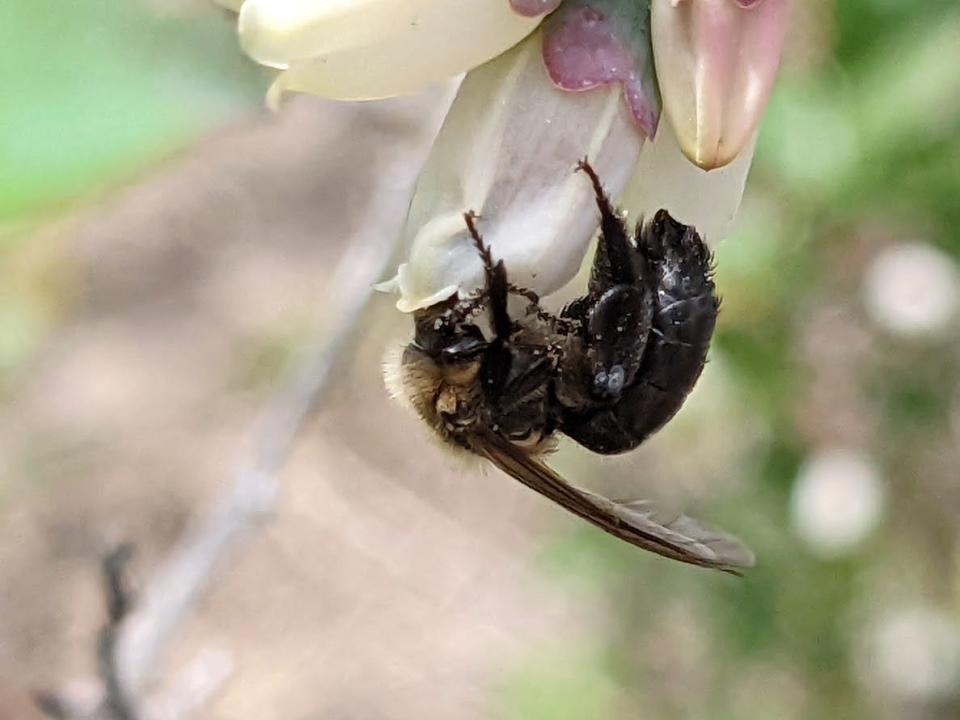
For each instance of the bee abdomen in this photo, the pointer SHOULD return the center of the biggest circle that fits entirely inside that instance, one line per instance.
(685, 315)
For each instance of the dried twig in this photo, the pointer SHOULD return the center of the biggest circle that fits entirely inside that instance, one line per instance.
(187, 571)
(115, 703)
(52, 705)
(129, 648)
(130, 652)
(118, 704)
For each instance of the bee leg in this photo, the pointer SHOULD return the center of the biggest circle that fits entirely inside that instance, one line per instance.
(498, 287)
(446, 328)
(616, 314)
(605, 359)
(685, 313)
(616, 261)
(530, 371)
(616, 337)
(558, 324)
(497, 364)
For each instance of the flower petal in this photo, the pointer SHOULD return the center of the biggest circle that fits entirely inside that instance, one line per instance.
(366, 49)
(665, 178)
(507, 150)
(597, 42)
(716, 61)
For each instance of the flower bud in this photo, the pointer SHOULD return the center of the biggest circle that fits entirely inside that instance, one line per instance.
(716, 62)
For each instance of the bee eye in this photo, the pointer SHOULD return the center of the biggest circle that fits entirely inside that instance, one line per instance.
(465, 348)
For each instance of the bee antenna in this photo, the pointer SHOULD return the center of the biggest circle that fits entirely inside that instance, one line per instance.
(496, 276)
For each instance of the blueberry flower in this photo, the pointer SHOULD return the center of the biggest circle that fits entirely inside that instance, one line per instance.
(658, 94)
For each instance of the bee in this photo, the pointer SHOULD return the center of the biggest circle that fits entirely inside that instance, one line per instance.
(609, 370)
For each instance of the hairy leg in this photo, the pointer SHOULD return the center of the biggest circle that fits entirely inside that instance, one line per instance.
(616, 313)
(498, 287)
(614, 263)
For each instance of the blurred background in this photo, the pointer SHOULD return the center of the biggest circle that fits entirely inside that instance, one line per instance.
(166, 249)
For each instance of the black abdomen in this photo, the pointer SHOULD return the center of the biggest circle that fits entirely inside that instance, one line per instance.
(685, 313)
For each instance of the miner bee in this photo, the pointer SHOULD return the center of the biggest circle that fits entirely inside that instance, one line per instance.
(611, 368)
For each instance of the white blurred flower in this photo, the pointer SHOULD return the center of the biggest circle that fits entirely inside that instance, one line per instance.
(912, 289)
(837, 500)
(912, 655)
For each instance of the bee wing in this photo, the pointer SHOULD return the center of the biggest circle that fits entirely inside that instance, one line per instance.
(638, 522)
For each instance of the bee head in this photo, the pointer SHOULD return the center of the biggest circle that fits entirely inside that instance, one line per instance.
(438, 373)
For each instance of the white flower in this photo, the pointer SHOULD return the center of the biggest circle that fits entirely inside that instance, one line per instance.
(365, 49)
(912, 289)
(512, 138)
(508, 150)
(912, 654)
(837, 500)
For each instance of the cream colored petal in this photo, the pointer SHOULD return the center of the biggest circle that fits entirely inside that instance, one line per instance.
(365, 49)
(507, 150)
(665, 178)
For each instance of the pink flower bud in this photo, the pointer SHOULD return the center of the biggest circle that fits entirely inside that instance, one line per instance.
(716, 62)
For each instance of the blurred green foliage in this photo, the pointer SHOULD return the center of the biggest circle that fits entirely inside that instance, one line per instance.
(94, 90)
